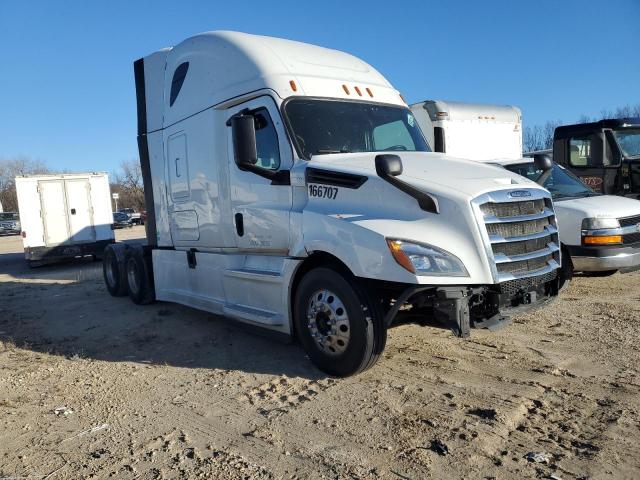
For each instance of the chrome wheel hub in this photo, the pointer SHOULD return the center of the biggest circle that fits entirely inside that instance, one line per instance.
(328, 322)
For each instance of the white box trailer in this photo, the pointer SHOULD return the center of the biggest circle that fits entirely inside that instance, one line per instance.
(289, 186)
(64, 215)
(475, 131)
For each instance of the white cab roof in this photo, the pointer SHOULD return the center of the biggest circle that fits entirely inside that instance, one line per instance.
(224, 65)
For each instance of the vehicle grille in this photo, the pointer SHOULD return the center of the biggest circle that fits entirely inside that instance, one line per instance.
(511, 287)
(524, 238)
(629, 221)
(517, 229)
(513, 209)
(631, 238)
(525, 266)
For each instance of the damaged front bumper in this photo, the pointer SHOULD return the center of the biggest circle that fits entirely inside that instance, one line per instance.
(463, 307)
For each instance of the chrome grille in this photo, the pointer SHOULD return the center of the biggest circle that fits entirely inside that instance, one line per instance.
(518, 248)
(525, 265)
(516, 229)
(513, 209)
(522, 234)
(629, 221)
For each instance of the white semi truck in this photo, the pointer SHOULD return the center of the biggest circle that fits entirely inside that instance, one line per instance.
(64, 215)
(289, 186)
(600, 234)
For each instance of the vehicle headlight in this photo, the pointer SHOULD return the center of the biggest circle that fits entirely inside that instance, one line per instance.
(599, 223)
(423, 259)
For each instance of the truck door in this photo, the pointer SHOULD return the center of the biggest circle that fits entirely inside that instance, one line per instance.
(79, 210)
(53, 208)
(260, 208)
(587, 159)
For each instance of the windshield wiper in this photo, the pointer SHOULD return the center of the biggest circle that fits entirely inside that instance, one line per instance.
(327, 150)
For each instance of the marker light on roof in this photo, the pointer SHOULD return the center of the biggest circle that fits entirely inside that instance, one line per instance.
(369, 92)
(346, 90)
(358, 91)
(293, 85)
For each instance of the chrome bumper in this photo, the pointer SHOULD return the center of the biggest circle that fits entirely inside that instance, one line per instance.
(613, 262)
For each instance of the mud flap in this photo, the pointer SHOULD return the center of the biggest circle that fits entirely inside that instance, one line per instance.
(452, 308)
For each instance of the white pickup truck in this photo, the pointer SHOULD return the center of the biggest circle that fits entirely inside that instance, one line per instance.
(289, 186)
(600, 234)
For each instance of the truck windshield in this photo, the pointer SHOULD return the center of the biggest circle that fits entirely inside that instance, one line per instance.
(561, 183)
(322, 127)
(629, 142)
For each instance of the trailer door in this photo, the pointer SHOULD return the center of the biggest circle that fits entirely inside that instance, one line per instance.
(54, 212)
(79, 208)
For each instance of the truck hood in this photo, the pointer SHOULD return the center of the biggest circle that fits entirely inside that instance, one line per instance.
(432, 172)
(600, 206)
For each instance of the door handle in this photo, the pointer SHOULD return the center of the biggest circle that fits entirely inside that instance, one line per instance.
(239, 224)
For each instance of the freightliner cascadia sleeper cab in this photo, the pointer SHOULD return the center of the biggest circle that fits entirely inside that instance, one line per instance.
(289, 186)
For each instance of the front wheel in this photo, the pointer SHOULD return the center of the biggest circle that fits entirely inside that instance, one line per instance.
(340, 328)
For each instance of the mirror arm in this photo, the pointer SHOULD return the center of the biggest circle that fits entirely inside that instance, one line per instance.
(277, 177)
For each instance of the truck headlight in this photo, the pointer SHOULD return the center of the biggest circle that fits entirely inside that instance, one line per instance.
(601, 231)
(423, 259)
(599, 223)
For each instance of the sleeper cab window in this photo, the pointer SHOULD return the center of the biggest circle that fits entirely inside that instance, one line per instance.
(177, 81)
(580, 152)
(266, 140)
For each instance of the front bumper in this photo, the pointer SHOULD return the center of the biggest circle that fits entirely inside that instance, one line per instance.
(463, 307)
(596, 259)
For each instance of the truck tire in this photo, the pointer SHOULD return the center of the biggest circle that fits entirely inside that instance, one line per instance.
(336, 322)
(113, 272)
(139, 277)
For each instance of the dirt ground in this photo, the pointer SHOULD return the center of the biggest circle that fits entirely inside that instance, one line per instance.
(164, 391)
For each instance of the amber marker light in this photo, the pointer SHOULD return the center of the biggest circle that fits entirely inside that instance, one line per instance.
(346, 90)
(396, 250)
(358, 91)
(602, 239)
(369, 92)
(293, 85)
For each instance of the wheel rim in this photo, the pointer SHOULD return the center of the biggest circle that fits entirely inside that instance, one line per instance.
(328, 322)
(132, 276)
(111, 274)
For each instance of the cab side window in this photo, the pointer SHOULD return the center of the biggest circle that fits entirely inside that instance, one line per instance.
(266, 140)
(580, 152)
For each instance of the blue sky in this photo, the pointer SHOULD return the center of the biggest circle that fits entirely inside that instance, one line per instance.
(67, 93)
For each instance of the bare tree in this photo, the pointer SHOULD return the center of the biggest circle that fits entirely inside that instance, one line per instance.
(10, 168)
(129, 185)
(539, 137)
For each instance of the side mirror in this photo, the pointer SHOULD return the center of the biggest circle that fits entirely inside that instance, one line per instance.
(543, 161)
(388, 165)
(243, 131)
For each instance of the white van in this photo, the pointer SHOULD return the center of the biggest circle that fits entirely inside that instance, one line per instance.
(600, 234)
(64, 215)
(289, 186)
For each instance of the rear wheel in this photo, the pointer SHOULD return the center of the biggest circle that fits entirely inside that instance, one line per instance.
(139, 278)
(114, 274)
(340, 328)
